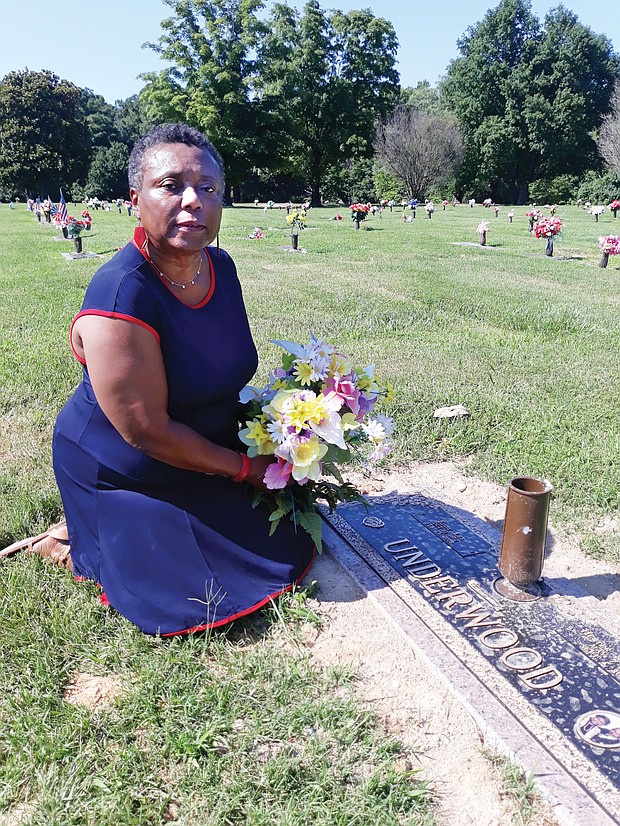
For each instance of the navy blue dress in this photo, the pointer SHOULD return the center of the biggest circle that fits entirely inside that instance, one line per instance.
(173, 550)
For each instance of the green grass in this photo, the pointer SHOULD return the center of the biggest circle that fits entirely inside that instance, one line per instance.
(233, 728)
(530, 345)
(237, 727)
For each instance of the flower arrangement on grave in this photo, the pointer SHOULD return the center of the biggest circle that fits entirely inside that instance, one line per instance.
(614, 206)
(597, 210)
(316, 414)
(74, 231)
(548, 228)
(533, 215)
(511, 215)
(552, 209)
(75, 227)
(429, 206)
(359, 213)
(487, 202)
(483, 228)
(256, 233)
(297, 221)
(86, 219)
(444, 204)
(609, 245)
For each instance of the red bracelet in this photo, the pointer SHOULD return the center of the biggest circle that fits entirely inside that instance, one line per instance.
(244, 470)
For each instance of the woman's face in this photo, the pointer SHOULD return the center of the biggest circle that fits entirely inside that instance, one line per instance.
(180, 201)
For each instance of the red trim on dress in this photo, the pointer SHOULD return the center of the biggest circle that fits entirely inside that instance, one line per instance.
(141, 242)
(107, 314)
(245, 612)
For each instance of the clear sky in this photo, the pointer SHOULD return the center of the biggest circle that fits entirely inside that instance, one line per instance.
(97, 43)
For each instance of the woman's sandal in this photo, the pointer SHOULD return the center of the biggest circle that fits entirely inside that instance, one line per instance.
(53, 544)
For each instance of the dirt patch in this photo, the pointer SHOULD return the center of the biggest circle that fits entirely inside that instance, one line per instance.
(92, 692)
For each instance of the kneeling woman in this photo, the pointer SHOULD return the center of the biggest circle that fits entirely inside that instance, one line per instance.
(156, 495)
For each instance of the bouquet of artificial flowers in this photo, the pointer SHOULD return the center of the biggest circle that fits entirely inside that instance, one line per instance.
(609, 244)
(547, 227)
(297, 220)
(359, 211)
(316, 413)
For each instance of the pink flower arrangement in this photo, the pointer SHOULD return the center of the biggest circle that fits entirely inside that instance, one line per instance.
(535, 214)
(547, 227)
(610, 244)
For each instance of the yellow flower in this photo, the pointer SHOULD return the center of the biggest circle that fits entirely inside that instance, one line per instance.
(299, 412)
(364, 382)
(340, 364)
(306, 457)
(302, 372)
(258, 439)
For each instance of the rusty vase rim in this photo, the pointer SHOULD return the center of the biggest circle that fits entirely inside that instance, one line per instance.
(545, 485)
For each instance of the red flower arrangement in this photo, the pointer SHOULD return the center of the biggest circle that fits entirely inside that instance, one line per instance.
(547, 227)
(359, 213)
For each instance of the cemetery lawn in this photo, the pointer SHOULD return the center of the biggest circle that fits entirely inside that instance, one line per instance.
(237, 727)
(530, 345)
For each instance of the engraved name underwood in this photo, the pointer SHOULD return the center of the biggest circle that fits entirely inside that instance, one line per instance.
(436, 585)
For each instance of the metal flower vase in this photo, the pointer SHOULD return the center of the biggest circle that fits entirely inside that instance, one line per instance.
(77, 243)
(549, 247)
(294, 240)
(525, 530)
(604, 260)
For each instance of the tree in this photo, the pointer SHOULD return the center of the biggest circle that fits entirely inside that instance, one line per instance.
(107, 176)
(131, 119)
(43, 133)
(210, 43)
(100, 117)
(419, 150)
(423, 97)
(325, 78)
(609, 136)
(527, 98)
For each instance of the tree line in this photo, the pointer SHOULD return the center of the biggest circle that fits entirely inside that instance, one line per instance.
(308, 104)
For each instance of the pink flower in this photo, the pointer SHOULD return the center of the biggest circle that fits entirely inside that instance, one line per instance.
(346, 391)
(278, 474)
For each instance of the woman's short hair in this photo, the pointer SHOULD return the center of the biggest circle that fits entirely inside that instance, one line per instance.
(167, 133)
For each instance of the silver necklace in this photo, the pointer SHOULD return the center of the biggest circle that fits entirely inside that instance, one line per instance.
(183, 284)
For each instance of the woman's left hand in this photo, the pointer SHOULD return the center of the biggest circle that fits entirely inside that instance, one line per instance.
(257, 471)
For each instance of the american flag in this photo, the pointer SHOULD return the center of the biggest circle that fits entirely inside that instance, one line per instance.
(63, 215)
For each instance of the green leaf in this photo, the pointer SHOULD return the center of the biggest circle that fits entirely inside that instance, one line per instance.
(311, 522)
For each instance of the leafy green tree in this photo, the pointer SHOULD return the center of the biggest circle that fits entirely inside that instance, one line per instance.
(423, 97)
(527, 98)
(351, 181)
(44, 137)
(325, 78)
(100, 119)
(210, 45)
(107, 176)
(558, 190)
(599, 189)
(387, 186)
(131, 119)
